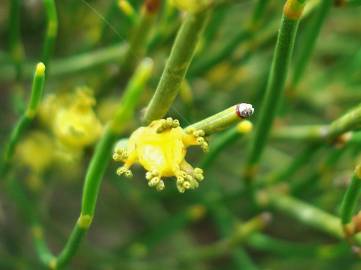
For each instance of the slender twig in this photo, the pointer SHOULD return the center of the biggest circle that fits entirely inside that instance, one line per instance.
(51, 31)
(176, 66)
(76, 63)
(284, 248)
(327, 133)
(309, 41)
(287, 172)
(224, 119)
(203, 66)
(101, 158)
(96, 170)
(226, 222)
(305, 213)
(276, 81)
(28, 116)
(139, 38)
(239, 235)
(15, 44)
(349, 201)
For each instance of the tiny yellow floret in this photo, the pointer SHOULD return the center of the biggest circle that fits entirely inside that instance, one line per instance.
(161, 148)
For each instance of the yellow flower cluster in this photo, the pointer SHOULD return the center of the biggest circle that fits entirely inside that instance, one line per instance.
(71, 118)
(73, 124)
(160, 148)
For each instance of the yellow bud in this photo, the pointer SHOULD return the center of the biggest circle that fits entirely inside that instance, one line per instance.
(245, 127)
(192, 6)
(126, 7)
(40, 69)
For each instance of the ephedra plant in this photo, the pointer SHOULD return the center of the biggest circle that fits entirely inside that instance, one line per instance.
(123, 96)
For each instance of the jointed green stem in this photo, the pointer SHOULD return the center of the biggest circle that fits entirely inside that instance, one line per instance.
(306, 213)
(73, 64)
(244, 35)
(276, 82)
(241, 233)
(101, 158)
(310, 38)
(15, 45)
(176, 66)
(224, 119)
(287, 172)
(26, 119)
(351, 197)
(51, 30)
(139, 39)
(226, 223)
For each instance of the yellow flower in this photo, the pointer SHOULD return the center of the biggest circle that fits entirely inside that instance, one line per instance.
(36, 151)
(161, 148)
(71, 118)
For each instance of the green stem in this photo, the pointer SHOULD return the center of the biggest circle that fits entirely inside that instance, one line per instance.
(224, 119)
(306, 214)
(351, 197)
(318, 133)
(226, 221)
(263, 242)
(239, 235)
(26, 119)
(176, 66)
(76, 63)
(308, 182)
(51, 30)
(15, 45)
(297, 163)
(101, 158)
(139, 39)
(276, 81)
(309, 41)
(245, 34)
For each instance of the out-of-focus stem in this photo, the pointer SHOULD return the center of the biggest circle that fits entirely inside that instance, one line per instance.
(287, 172)
(309, 41)
(101, 158)
(73, 64)
(282, 55)
(226, 222)
(305, 213)
(26, 119)
(328, 133)
(96, 169)
(245, 34)
(15, 45)
(177, 65)
(139, 38)
(51, 31)
(239, 235)
(284, 248)
(351, 197)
